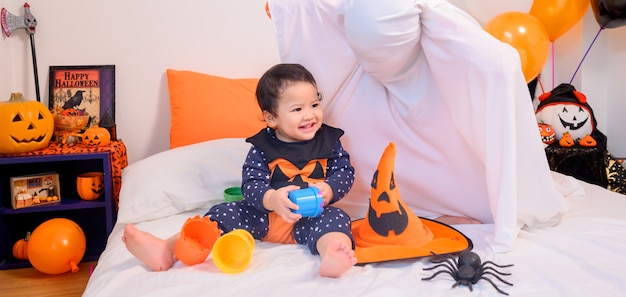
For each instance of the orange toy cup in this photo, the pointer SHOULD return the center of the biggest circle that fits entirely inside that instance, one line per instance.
(232, 252)
(196, 240)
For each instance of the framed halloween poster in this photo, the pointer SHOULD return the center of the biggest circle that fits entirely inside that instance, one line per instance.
(84, 90)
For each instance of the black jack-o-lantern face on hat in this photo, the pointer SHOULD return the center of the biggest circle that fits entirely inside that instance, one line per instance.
(387, 216)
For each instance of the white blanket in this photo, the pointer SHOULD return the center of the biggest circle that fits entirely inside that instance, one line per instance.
(425, 75)
(582, 256)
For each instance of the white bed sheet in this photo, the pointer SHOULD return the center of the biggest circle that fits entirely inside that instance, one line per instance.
(583, 255)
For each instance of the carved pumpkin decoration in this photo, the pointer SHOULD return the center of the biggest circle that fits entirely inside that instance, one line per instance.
(566, 140)
(20, 248)
(196, 240)
(391, 231)
(588, 141)
(90, 185)
(26, 125)
(566, 110)
(96, 136)
(547, 133)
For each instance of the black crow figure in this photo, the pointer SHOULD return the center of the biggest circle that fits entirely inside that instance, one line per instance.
(75, 101)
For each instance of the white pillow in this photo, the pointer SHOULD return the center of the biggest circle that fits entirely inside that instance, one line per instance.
(180, 179)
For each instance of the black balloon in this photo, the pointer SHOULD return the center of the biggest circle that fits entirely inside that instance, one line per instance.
(609, 13)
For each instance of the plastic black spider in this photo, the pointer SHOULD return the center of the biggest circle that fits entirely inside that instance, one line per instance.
(468, 270)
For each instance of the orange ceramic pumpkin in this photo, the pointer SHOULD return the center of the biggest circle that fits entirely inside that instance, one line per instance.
(20, 248)
(96, 136)
(26, 125)
(588, 141)
(566, 140)
(56, 246)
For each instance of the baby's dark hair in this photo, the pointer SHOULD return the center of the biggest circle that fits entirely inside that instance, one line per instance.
(274, 81)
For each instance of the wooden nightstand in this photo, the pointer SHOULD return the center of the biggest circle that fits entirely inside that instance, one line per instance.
(96, 218)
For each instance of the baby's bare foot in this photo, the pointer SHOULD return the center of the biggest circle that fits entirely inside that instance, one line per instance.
(149, 249)
(337, 259)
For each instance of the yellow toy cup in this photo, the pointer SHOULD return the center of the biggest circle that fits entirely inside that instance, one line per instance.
(232, 251)
(196, 240)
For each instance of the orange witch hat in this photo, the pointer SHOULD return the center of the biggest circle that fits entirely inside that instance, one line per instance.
(391, 231)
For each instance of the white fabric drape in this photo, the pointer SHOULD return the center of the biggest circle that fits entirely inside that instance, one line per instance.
(426, 76)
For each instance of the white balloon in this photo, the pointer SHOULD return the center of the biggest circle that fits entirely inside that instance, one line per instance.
(485, 10)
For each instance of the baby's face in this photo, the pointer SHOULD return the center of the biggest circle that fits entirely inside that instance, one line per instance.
(298, 114)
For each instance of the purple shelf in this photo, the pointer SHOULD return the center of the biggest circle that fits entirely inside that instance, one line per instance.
(96, 217)
(65, 204)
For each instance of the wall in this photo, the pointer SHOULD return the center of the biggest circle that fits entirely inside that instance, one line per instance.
(142, 38)
(233, 39)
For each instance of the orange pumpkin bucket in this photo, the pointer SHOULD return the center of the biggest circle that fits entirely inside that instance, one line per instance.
(90, 185)
(196, 240)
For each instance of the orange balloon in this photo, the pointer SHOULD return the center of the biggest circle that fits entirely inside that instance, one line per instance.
(56, 246)
(558, 16)
(527, 35)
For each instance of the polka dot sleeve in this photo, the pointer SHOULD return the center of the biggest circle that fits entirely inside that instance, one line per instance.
(340, 173)
(255, 178)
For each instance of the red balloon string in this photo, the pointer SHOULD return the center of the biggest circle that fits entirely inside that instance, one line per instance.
(540, 84)
(583, 59)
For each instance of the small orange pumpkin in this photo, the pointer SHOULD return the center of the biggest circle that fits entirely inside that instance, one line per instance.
(20, 248)
(96, 136)
(566, 140)
(588, 141)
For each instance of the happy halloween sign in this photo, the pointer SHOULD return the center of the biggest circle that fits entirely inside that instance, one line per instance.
(77, 79)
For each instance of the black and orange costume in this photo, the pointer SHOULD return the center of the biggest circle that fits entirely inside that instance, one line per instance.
(272, 164)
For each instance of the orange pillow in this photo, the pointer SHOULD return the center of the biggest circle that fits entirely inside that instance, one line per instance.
(206, 107)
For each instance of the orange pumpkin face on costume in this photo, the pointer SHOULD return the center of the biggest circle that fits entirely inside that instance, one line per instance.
(285, 171)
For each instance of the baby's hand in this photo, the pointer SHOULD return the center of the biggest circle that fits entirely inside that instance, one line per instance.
(326, 190)
(279, 202)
